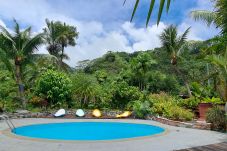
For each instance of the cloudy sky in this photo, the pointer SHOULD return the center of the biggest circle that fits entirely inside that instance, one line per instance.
(104, 25)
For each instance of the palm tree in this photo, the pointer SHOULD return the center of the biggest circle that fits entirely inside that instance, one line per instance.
(221, 62)
(218, 16)
(152, 3)
(18, 47)
(51, 36)
(58, 36)
(174, 45)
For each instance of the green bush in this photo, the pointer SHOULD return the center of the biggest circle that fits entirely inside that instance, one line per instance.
(217, 117)
(190, 103)
(88, 92)
(55, 87)
(167, 106)
(141, 109)
(158, 82)
(123, 94)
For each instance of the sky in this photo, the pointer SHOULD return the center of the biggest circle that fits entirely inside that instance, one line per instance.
(103, 25)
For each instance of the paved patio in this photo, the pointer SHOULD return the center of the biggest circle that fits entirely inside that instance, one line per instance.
(175, 138)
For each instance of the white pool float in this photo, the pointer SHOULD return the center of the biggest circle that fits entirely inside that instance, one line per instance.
(80, 113)
(60, 113)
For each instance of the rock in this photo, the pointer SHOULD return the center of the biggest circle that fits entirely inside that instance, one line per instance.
(22, 111)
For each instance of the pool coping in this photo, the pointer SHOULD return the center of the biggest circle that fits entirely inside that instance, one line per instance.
(9, 133)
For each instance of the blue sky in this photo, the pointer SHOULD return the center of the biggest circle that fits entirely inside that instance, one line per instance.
(104, 24)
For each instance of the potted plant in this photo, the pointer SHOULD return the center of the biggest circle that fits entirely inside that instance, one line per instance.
(205, 105)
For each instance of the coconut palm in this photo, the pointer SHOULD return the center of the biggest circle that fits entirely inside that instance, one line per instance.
(152, 3)
(174, 45)
(16, 51)
(51, 36)
(58, 36)
(218, 16)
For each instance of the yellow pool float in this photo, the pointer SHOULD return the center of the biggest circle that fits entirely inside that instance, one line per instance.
(125, 114)
(96, 113)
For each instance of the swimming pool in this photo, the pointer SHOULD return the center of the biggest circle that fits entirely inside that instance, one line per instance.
(88, 131)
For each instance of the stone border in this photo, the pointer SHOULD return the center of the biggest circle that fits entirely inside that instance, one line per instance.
(196, 125)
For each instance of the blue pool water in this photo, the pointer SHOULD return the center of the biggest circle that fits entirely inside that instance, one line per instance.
(87, 131)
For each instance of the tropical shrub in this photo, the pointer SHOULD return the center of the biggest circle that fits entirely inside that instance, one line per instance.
(123, 94)
(55, 87)
(189, 103)
(8, 91)
(167, 106)
(141, 109)
(88, 92)
(217, 117)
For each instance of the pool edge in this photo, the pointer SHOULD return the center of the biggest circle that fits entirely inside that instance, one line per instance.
(9, 133)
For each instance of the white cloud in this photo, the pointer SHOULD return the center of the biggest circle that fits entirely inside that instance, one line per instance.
(2, 23)
(143, 38)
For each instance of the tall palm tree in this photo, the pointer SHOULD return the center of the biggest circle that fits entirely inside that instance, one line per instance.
(152, 3)
(18, 47)
(174, 45)
(51, 36)
(58, 36)
(218, 16)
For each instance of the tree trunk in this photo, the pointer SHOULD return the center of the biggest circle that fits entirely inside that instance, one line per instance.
(62, 53)
(226, 91)
(19, 81)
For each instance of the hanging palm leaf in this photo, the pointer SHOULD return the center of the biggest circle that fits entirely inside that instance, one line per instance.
(161, 6)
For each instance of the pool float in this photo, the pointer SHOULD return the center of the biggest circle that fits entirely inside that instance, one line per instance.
(96, 113)
(125, 114)
(80, 113)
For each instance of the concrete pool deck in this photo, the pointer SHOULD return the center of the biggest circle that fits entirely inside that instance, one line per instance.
(174, 138)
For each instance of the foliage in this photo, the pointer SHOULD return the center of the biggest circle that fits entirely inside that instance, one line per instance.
(54, 86)
(167, 106)
(140, 66)
(201, 92)
(58, 35)
(158, 82)
(189, 103)
(221, 63)
(18, 46)
(141, 109)
(123, 94)
(213, 100)
(174, 44)
(217, 117)
(111, 63)
(218, 16)
(88, 92)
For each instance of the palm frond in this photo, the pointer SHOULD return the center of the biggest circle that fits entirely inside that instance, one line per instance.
(150, 11)
(6, 34)
(162, 3)
(161, 7)
(134, 10)
(183, 37)
(30, 45)
(4, 58)
(208, 17)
